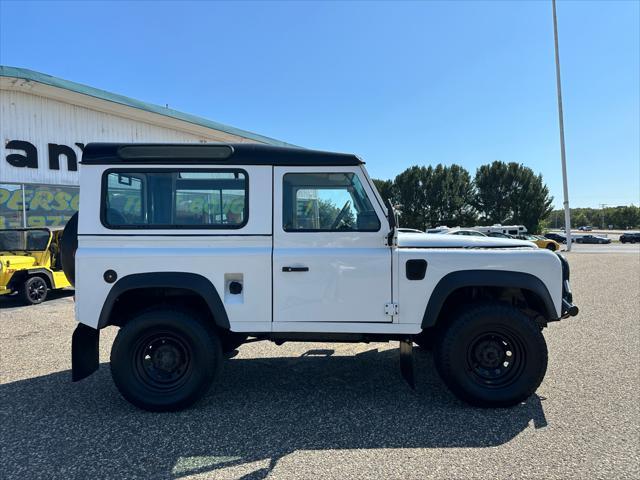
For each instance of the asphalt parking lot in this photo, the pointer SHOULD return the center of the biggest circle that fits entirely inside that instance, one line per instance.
(333, 410)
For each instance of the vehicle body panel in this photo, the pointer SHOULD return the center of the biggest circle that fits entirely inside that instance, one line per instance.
(346, 269)
(351, 276)
(220, 255)
(439, 240)
(414, 295)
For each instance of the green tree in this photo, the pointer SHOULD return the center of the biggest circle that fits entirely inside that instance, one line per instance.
(511, 193)
(329, 211)
(451, 196)
(385, 188)
(431, 196)
(411, 194)
(622, 217)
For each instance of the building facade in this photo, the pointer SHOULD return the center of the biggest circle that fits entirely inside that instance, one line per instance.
(45, 122)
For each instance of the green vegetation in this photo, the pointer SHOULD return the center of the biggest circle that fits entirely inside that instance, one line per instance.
(506, 193)
(622, 217)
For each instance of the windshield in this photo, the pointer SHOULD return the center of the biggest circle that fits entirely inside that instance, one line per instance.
(23, 240)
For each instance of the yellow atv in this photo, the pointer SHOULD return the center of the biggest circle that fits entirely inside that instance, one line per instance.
(30, 263)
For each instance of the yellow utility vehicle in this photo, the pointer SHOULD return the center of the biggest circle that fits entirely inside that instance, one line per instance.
(30, 263)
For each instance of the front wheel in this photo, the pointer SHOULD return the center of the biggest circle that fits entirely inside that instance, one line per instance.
(551, 246)
(164, 359)
(492, 355)
(34, 290)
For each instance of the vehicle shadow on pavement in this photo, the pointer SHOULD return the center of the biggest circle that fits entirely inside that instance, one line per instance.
(15, 300)
(260, 410)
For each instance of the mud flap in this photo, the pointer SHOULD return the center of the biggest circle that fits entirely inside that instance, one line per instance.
(84, 352)
(406, 362)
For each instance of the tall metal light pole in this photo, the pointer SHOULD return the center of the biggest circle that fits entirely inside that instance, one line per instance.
(567, 212)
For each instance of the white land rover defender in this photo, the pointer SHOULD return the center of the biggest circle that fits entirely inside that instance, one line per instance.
(193, 250)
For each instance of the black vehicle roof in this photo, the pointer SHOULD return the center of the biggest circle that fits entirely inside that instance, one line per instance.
(211, 154)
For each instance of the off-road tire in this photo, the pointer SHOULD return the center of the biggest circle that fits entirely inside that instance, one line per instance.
(34, 290)
(551, 246)
(165, 359)
(476, 338)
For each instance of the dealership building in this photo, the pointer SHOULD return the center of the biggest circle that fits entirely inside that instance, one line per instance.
(45, 122)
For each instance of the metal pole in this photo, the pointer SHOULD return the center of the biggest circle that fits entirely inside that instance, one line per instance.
(602, 207)
(567, 212)
(24, 206)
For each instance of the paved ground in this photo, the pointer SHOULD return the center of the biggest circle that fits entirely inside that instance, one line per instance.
(333, 411)
(633, 249)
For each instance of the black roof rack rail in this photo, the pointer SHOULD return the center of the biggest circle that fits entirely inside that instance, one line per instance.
(211, 154)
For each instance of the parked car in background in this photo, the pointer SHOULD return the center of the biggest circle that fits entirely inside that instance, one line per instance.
(557, 237)
(505, 229)
(30, 263)
(409, 230)
(439, 229)
(592, 239)
(465, 231)
(541, 239)
(499, 235)
(585, 228)
(630, 237)
(541, 242)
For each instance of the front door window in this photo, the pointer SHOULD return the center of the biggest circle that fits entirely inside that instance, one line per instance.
(326, 202)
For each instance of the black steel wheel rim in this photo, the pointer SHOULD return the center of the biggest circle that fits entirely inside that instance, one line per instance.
(495, 359)
(162, 361)
(37, 289)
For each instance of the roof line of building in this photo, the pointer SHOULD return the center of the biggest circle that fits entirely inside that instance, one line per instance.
(33, 76)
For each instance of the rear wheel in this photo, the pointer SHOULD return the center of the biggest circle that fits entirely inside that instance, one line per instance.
(492, 355)
(164, 359)
(551, 246)
(34, 290)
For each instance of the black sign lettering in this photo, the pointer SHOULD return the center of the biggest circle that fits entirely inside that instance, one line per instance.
(28, 160)
(29, 157)
(55, 151)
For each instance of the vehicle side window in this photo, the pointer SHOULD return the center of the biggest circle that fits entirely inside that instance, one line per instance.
(175, 199)
(326, 202)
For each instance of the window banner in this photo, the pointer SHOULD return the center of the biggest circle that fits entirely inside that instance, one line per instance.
(45, 205)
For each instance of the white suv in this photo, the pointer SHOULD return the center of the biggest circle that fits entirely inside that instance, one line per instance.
(193, 250)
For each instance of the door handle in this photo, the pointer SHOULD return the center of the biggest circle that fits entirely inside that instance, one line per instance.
(295, 269)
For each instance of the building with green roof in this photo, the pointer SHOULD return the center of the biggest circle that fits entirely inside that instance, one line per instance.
(45, 122)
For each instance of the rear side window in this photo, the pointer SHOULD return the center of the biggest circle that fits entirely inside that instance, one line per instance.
(326, 202)
(175, 199)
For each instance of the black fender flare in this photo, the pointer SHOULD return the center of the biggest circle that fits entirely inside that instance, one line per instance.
(194, 282)
(18, 278)
(485, 278)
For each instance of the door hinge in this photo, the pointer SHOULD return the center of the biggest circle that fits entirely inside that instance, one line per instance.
(390, 240)
(391, 309)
